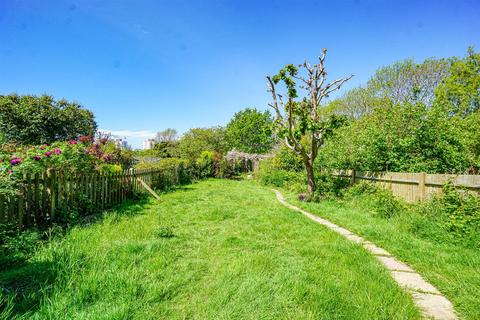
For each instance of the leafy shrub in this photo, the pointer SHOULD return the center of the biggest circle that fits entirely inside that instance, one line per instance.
(386, 204)
(360, 188)
(457, 212)
(228, 169)
(110, 168)
(380, 200)
(205, 164)
(269, 174)
(286, 159)
(329, 186)
(8, 186)
(173, 172)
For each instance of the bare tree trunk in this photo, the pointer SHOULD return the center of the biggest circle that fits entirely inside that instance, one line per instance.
(310, 178)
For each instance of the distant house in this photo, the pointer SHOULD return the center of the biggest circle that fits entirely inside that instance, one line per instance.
(148, 144)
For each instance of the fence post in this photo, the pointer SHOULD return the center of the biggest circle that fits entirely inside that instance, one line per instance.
(353, 177)
(421, 185)
(53, 193)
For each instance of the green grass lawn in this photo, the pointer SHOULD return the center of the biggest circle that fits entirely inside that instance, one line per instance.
(452, 268)
(217, 249)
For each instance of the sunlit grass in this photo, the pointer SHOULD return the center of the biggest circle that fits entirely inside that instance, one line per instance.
(218, 249)
(454, 269)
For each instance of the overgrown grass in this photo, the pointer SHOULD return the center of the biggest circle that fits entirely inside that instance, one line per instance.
(448, 259)
(215, 250)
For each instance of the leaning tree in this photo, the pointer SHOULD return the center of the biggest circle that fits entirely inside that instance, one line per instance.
(301, 120)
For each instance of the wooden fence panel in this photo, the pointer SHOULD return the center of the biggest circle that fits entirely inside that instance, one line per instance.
(412, 187)
(42, 196)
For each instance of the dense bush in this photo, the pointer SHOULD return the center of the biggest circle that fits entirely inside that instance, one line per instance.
(250, 131)
(457, 212)
(452, 216)
(329, 186)
(285, 159)
(272, 174)
(411, 118)
(197, 140)
(205, 164)
(37, 120)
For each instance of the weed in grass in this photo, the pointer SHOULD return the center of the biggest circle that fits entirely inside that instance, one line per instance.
(164, 232)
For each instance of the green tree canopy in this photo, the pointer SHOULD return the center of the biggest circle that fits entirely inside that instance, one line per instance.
(196, 140)
(40, 119)
(251, 131)
(459, 93)
(411, 117)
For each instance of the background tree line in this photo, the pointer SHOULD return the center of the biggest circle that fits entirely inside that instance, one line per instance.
(410, 117)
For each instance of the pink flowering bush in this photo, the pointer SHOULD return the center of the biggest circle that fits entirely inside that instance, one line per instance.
(70, 157)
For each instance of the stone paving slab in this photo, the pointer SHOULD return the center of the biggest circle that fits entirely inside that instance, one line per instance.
(426, 297)
(434, 306)
(413, 281)
(394, 265)
(377, 251)
(355, 238)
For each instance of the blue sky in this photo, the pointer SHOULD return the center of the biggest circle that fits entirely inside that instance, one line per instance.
(142, 66)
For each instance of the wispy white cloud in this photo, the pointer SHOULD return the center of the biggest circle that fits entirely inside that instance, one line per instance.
(142, 134)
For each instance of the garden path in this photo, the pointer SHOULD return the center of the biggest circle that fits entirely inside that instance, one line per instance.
(433, 304)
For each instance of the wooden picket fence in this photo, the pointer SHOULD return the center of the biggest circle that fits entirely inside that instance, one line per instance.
(43, 196)
(412, 187)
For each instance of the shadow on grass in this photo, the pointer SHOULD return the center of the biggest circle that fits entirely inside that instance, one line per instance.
(26, 281)
(23, 288)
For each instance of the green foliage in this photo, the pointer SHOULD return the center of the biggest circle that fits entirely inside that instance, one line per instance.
(412, 118)
(165, 232)
(110, 168)
(196, 140)
(329, 186)
(452, 216)
(459, 92)
(457, 212)
(270, 174)
(165, 149)
(403, 138)
(16, 245)
(407, 82)
(386, 204)
(381, 201)
(250, 131)
(173, 172)
(285, 159)
(360, 188)
(38, 120)
(205, 164)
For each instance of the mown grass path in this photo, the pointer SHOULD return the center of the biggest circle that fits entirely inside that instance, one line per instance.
(217, 249)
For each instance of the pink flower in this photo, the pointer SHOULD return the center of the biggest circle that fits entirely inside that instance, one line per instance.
(41, 148)
(73, 142)
(57, 151)
(48, 154)
(10, 171)
(15, 161)
(37, 157)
